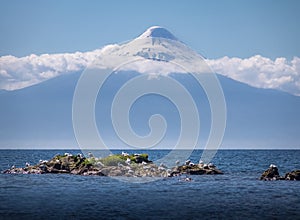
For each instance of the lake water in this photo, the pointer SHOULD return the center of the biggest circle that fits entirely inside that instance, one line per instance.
(238, 194)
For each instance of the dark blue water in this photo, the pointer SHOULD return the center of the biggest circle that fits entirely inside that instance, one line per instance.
(238, 194)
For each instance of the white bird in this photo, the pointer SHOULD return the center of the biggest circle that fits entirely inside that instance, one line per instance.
(43, 161)
(161, 168)
(188, 179)
(137, 154)
(163, 165)
(211, 165)
(191, 164)
(125, 154)
(68, 155)
(144, 163)
(79, 155)
(128, 161)
(201, 163)
(90, 154)
(27, 164)
(13, 167)
(177, 162)
(187, 162)
(273, 166)
(205, 166)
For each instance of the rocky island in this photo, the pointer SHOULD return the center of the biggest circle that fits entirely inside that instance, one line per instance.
(128, 165)
(272, 173)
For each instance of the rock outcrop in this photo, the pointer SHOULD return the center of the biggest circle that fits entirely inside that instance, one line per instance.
(134, 165)
(294, 175)
(195, 169)
(273, 174)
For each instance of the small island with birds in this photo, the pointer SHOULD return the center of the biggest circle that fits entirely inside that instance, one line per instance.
(124, 164)
(130, 165)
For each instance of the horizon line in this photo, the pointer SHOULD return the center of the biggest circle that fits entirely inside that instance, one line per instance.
(220, 149)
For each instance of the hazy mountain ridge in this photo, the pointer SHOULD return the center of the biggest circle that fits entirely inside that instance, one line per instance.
(43, 112)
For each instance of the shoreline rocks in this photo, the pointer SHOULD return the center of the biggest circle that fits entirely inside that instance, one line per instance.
(195, 169)
(134, 165)
(272, 173)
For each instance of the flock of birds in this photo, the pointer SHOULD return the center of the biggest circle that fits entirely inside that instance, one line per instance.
(201, 164)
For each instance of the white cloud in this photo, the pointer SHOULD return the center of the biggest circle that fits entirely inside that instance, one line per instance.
(16, 73)
(258, 71)
(261, 72)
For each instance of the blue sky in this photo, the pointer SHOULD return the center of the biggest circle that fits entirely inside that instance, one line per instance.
(213, 28)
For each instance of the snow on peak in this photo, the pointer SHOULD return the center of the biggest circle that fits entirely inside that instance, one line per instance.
(159, 32)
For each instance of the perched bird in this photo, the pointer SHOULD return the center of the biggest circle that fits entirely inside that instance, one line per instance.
(43, 161)
(177, 162)
(68, 155)
(187, 162)
(163, 165)
(211, 165)
(273, 166)
(125, 154)
(201, 164)
(128, 161)
(161, 168)
(27, 164)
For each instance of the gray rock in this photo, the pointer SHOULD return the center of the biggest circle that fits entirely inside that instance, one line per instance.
(270, 174)
(294, 175)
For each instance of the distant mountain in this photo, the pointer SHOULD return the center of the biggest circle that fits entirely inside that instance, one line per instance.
(41, 115)
(260, 117)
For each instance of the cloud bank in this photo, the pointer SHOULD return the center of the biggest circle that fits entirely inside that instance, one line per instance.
(257, 71)
(261, 72)
(16, 73)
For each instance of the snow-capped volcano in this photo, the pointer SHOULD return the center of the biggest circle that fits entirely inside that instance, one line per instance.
(157, 31)
(155, 44)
